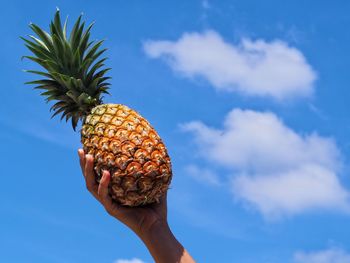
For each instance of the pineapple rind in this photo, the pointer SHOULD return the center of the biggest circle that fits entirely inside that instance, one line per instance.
(124, 143)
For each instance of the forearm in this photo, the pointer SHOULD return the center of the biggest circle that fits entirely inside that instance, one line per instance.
(163, 245)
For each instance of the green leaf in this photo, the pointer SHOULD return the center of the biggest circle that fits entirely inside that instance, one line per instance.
(96, 66)
(41, 81)
(83, 43)
(85, 66)
(65, 28)
(51, 66)
(41, 43)
(58, 105)
(37, 52)
(57, 112)
(51, 92)
(58, 47)
(41, 62)
(72, 95)
(101, 73)
(37, 46)
(39, 73)
(57, 24)
(45, 37)
(65, 113)
(75, 28)
(76, 61)
(93, 50)
(99, 53)
(75, 120)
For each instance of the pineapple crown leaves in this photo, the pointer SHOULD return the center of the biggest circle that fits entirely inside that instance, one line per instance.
(74, 73)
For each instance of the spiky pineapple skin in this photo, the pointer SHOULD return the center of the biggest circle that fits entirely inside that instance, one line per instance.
(124, 143)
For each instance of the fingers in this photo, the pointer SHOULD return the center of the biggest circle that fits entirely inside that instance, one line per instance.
(103, 195)
(103, 187)
(89, 175)
(99, 191)
(82, 160)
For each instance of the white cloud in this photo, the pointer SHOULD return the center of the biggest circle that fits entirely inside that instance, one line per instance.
(202, 175)
(134, 260)
(260, 141)
(277, 170)
(333, 255)
(293, 191)
(255, 68)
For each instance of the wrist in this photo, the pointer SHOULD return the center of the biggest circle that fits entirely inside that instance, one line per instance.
(156, 229)
(162, 244)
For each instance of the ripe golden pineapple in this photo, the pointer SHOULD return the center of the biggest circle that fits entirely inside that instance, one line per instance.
(119, 138)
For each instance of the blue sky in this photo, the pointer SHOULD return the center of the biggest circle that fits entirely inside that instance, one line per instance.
(251, 99)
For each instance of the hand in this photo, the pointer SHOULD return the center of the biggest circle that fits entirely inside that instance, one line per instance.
(148, 222)
(140, 219)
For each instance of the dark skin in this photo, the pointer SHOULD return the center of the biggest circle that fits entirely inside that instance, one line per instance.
(148, 222)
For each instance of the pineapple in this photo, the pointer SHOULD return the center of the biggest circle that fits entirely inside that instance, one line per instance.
(120, 139)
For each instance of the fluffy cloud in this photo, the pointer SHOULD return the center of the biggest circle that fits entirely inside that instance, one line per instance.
(293, 191)
(134, 260)
(332, 255)
(277, 170)
(256, 68)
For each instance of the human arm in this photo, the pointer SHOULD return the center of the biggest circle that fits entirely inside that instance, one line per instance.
(148, 222)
